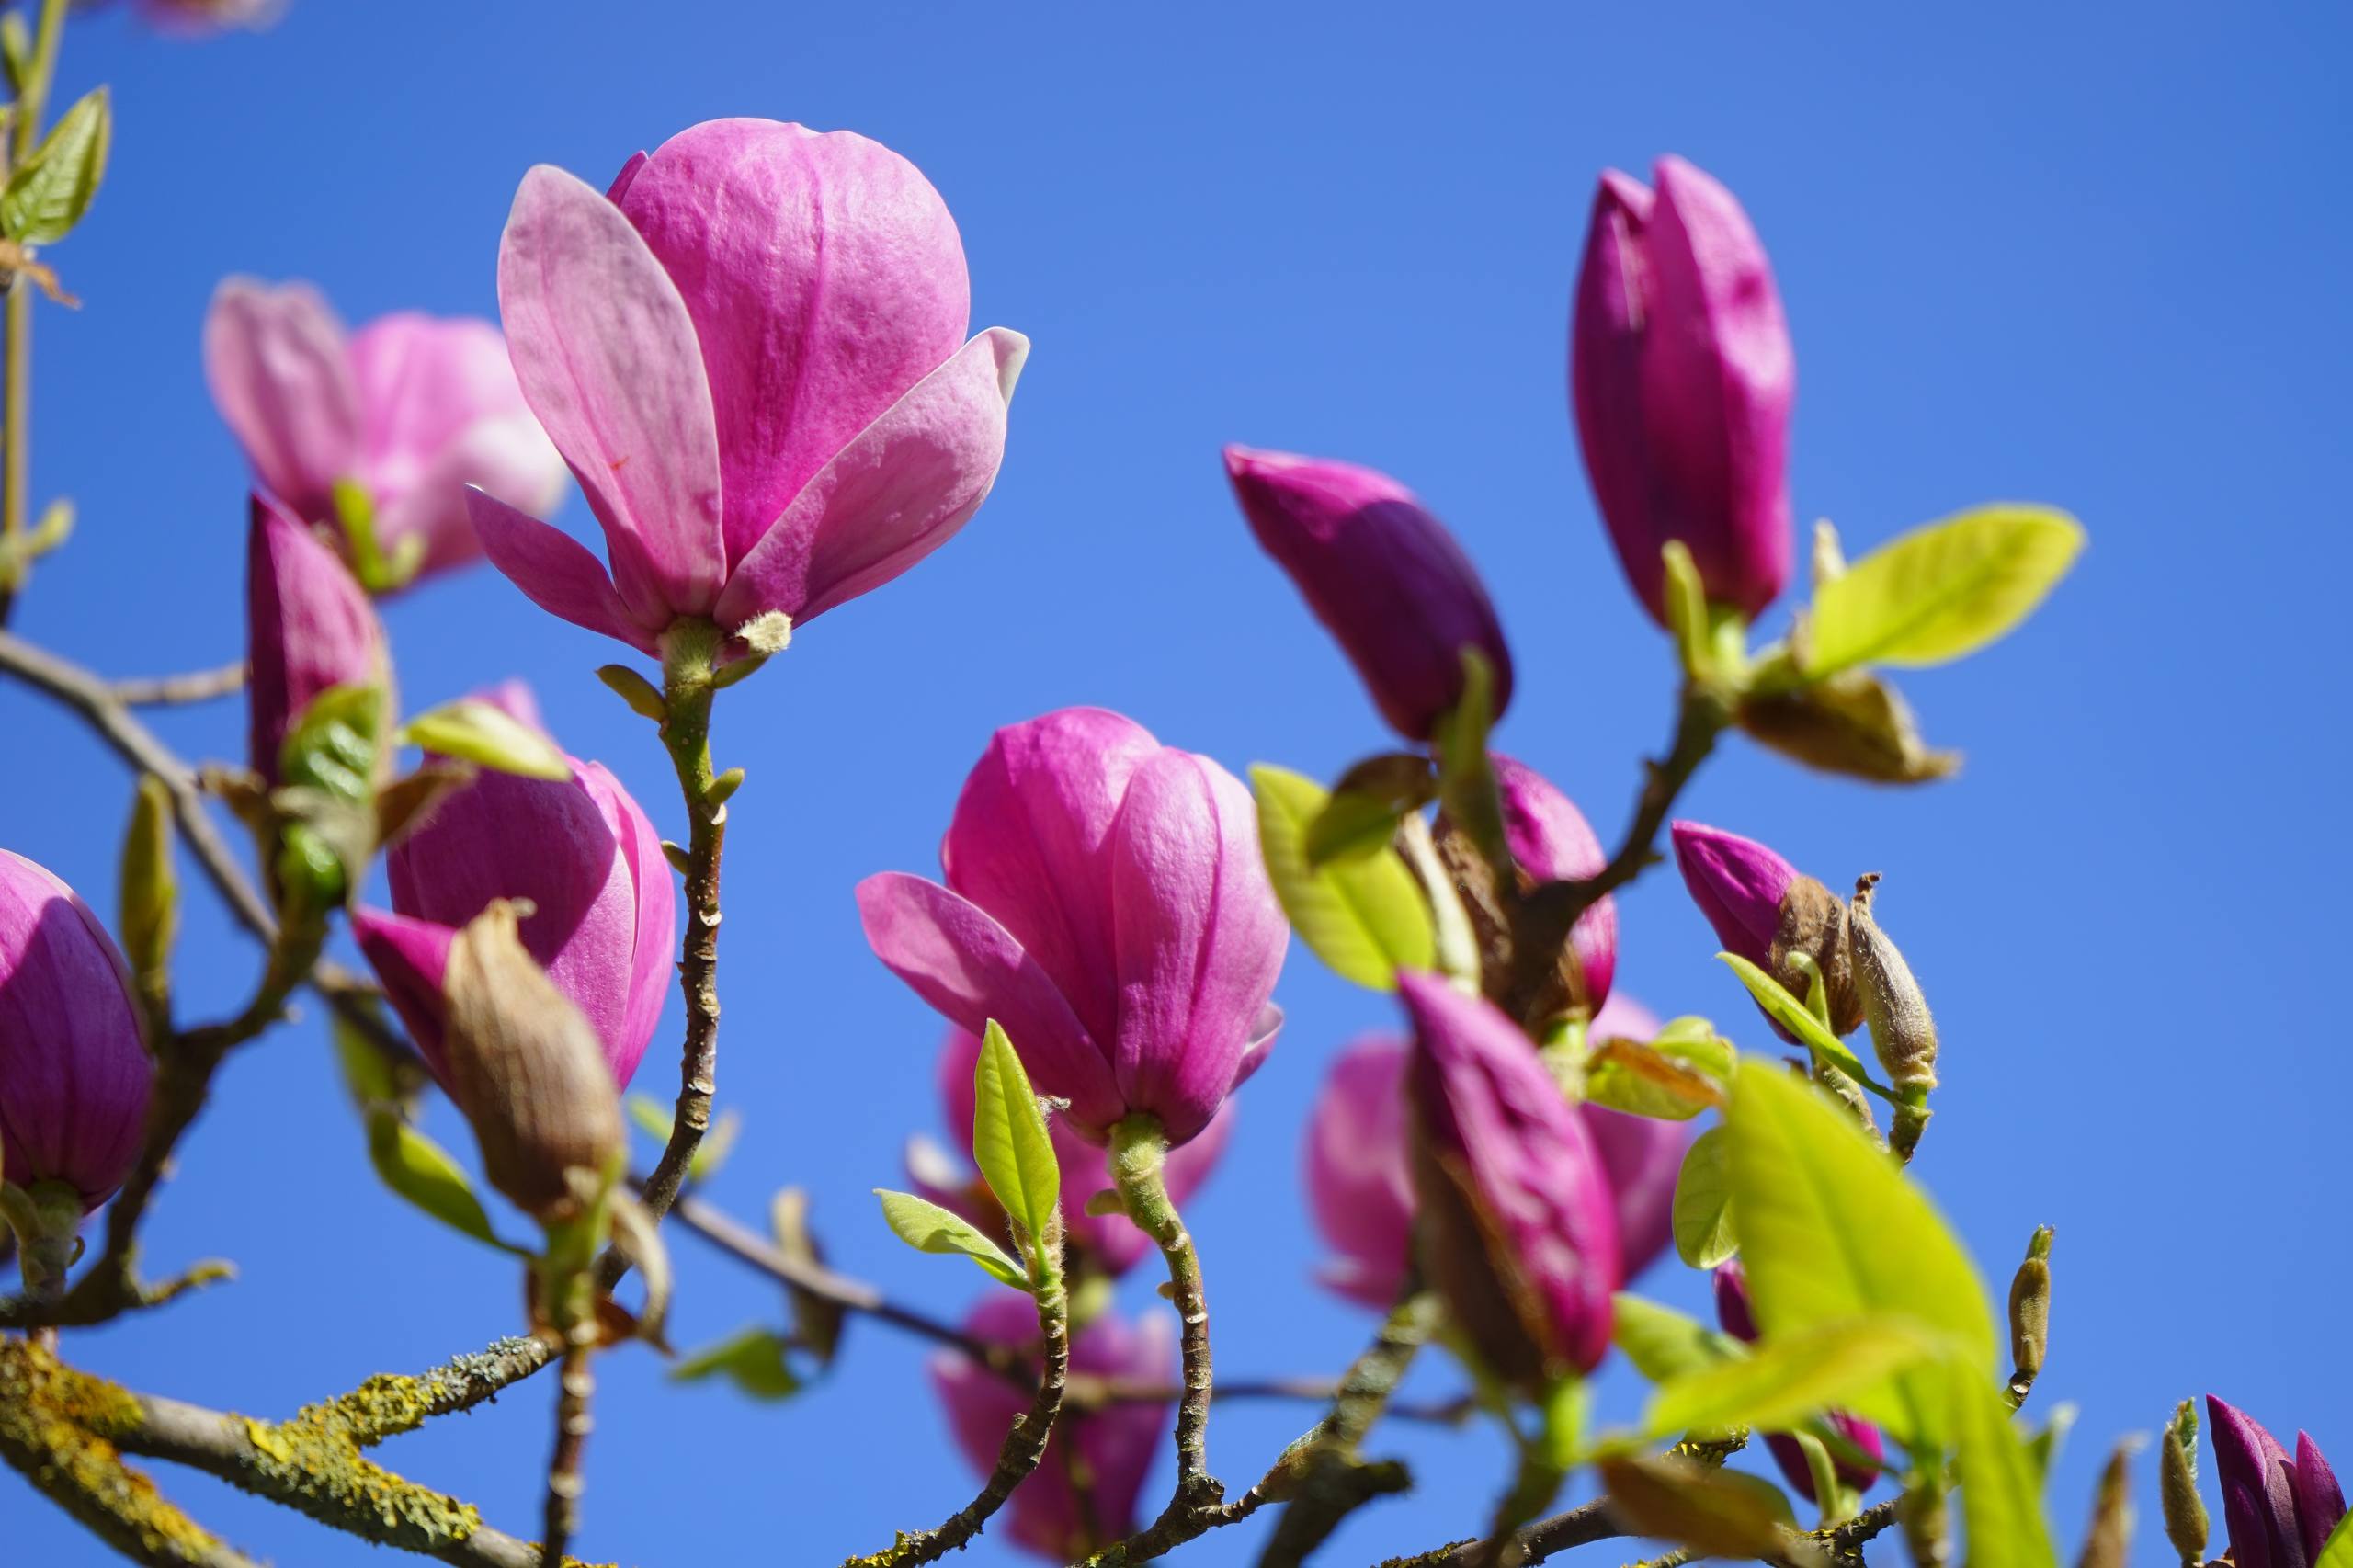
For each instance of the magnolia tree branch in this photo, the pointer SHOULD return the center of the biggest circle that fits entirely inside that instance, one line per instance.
(176, 690)
(1139, 1164)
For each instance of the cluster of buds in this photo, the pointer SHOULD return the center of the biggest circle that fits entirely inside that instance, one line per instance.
(1811, 943)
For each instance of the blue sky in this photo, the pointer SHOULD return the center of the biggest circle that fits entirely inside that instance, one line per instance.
(2079, 254)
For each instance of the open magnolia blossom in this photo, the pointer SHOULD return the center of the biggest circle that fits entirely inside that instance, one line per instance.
(751, 352)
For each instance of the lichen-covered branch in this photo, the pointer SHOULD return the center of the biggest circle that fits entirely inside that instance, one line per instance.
(1138, 1162)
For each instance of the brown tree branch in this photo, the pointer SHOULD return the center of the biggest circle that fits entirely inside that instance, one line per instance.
(177, 690)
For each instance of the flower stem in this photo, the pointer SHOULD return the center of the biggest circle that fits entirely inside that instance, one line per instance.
(1139, 1163)
(16, 318)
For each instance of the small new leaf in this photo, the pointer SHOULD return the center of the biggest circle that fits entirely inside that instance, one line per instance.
(926, 1227)
(476, 731)
(1663, 1343)
(1365, 917)
(1010, 1142)
(1701, 1217)
(48, 193)
(421, 1171)
(1944, 590)
(1361, 816)
(1677, 1075)
(1800, 1020)
(753, 1360)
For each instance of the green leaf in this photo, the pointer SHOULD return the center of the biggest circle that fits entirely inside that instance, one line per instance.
(48, 194)
(1663, 1343)
(926, 1227)
(1702, 1212)
(651, 1117)
(2337, 1552)
(1799, 1019)
(327, 764)
(753, 1360)
(1830, 1229)
(1943, 590)
(1366, 805)
(420, 1170)
(476, 731)
(1682, 1072)
(1010, 1142)
(2000, 1489)
(367, 1071)
(1784, 1380)
(717, 1143)
(1366, 917)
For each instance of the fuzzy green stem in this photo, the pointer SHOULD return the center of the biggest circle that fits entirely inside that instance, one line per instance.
(1139, 1166)
(17, 319)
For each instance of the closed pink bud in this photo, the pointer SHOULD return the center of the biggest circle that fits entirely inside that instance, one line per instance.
(308, 627)
(752, 353)
(1115, 1446)
(1111, 1240)
(74, 1073)
(1382, 574)
(1764, 910)
(604, 920)
(1105, 903)
(411, 409)
(1682, 378)
(1554, 843)
(1358, 1170)
(1519, 1234)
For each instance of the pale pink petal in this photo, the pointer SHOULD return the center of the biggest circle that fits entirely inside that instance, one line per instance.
(891, 497)
(608, 359)
(276, 361)
(555, 570)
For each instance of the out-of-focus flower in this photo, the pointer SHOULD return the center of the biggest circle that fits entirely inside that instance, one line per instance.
(604, 920)
(411, 409)
(308, 627)
(1110, 1239)
(1358, 1170)
(1554, 843)
(752, 353)
(197, 17)
(1517, 1232)
(1732, 1312)
(74, 1073)
(2279, 1511)
(1114, 1447)
(1382, 574)
(1105, 903)
(1766, 911)
(1682, 378)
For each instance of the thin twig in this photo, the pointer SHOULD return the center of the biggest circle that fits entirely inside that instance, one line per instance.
(177, 690)
(1139, 1165)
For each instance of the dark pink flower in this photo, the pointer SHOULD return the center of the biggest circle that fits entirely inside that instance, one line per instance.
(1110, 1239)
(1382, 574)
(308, 627)
(1682, 378)
(411, 409)
(1105, 902)
(75, 1072)
(1116, 1446)
(1554, 843)
(2279, 1511)
(752, 354)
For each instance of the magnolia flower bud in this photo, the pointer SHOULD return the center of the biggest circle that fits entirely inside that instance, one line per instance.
(1902, 1031)
(1765, 911)
(2186, 1522)
(2279, 1511)
(2030, 1313)
(527, 1069)
(309, 628)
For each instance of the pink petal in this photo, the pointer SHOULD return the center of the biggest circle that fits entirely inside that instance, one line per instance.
(555, 570)
(410, 956)
(825, 277)
(891, 497)
(276, 361)
(970, 969)
(654, 943)
(608, 359)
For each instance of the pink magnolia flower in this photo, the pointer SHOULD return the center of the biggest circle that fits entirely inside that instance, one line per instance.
(1105, 903)
(604, 919)
(2279, 1511)
(1733, 1312)
(1358, 1169)
(752, 354)
(1519, 1235)
(411, 409)
(75, 1072)
(1110, 1239)
(195, 17)
(1682, 378)
(308, 627)
(1116, 1446)
(1382, 574)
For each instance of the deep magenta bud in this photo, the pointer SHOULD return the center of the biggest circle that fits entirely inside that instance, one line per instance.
(1682, 378)
(2279, 1510)
(1766, 911)
(1382, 574)
(308, 627)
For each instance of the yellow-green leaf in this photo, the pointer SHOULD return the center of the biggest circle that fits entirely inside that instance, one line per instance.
(1663, 1343)
(1676, 1075)
(2337, 1552)
(1364, 917)
(476, 731)
(1785, 1379)
(1701, 1215)
(421, 1171)
(926, 1227)
(753, 1360)
(2001, 1502)
(1009, 1139)
(1799, 1019)
(47, 193)
(1830, 1229)
(1943, 590)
